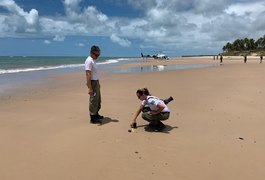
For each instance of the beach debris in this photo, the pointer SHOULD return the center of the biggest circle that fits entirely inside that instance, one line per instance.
(241, 138)
(132, 130)
(136, 152)
(133, 127)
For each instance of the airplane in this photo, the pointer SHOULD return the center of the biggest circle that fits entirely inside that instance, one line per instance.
(160, 56)
(155, 56)
(145, 56)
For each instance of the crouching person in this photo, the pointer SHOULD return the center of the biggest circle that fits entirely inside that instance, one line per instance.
(158, 110)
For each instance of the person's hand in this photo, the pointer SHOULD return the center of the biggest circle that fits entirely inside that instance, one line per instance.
(90, 92)
(134, 125)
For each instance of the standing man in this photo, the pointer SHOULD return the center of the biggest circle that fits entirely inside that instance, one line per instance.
(245, 58)
(93, 85)
(221, 59)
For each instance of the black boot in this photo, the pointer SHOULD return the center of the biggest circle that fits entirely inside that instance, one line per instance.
(159, 126)
(94, 119)
(166, 101)
(99, 116)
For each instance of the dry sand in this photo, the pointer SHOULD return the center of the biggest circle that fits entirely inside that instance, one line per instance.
(216, 129)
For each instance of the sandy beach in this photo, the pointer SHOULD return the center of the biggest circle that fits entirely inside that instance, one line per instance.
(215, 131)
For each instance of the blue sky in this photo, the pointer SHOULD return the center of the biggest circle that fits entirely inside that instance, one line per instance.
(126, 27)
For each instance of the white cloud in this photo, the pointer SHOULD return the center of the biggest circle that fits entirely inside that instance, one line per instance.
(169, 24)
(80, 45)
(73, 4)
(59, 38)
(19, 21)
(120, 41)
(88, 16)
(47, 42)
(251, 9)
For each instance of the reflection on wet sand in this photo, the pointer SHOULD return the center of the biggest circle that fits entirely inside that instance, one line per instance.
(162, 68)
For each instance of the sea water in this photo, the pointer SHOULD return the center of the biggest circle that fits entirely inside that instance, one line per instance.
(23, 71)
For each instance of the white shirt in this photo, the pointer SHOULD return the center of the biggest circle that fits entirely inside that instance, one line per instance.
(153, 101)
(91, 65)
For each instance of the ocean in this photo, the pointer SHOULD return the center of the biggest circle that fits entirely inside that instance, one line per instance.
(19, 71)
(18, 64)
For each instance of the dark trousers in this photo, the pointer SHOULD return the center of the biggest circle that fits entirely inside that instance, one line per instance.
(95, 99)
(155, 118)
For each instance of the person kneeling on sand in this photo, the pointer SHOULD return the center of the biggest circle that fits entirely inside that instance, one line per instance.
(158, 110)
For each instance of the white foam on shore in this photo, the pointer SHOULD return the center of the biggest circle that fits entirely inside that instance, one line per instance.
(10, 71)
(109, 62)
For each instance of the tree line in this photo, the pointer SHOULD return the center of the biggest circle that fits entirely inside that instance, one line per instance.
(245, 45)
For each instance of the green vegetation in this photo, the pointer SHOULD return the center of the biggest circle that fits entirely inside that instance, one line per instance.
(245, 47)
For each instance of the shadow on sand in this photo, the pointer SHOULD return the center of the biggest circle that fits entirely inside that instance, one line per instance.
(166, 130)
(107, 120)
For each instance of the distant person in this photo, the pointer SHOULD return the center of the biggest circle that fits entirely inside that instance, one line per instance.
(221, 59)
(144, 57)
(261, 58)
(158, 110)
(213, 57)
(245, 59)
(93, 85)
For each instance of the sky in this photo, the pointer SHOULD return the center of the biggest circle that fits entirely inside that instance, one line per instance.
(125, 28)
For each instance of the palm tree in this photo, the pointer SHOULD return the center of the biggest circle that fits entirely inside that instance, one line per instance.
(259, 43)
(252, 44)
(237, 45)
(263, 42)
(227, 47)
(245, 44)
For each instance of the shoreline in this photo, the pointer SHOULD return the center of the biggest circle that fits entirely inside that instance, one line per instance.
(145, 65)
(14, 82)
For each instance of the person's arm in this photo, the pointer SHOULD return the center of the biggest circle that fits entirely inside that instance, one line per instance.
(88, 82)
(137, 114)
(160, 109)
